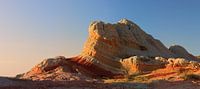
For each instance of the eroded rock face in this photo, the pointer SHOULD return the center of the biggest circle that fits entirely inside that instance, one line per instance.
(181, 62)
(108, 43)
(111, 51)
(59, 68)
(139, 64)
(121, 40)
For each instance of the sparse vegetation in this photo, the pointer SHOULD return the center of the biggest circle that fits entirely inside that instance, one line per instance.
(137, 77)
(18, 76)
(191, 77)
(141, 79)
(131, 77)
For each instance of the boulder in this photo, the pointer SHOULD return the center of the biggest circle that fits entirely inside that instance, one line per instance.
(140, 64)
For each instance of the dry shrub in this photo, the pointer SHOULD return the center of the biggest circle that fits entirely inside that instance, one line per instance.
(191, 77)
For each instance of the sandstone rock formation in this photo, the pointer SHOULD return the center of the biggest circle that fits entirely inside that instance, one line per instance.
(121, 40)
(181, 62)
(59, 68)
(141, 64)
(111, 51)
(108, 43)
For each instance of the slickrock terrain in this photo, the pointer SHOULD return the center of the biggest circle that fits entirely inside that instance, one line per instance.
(116, 56)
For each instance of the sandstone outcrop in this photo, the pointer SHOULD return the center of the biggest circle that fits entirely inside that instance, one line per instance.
(108, 43)
(181, 62)
(111, 51)
(61, 68)
(121, 40)
(139, 64)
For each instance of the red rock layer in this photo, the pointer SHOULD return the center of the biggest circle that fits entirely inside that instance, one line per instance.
(92, 70)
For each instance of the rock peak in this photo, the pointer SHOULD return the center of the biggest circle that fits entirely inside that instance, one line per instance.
(109, 43)
(125, 21)
(96, 22)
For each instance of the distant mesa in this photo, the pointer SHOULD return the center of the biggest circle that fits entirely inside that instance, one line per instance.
(111, 51)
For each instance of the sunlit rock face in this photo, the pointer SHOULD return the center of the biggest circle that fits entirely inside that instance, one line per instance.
(108, 43)
(111, 51)
(140, 64)
(121, 40)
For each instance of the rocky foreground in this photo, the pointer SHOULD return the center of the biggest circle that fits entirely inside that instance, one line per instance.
(116, 56)
(10, 83)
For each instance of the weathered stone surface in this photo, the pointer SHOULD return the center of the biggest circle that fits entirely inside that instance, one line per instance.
(181, 62)
(121, 40)
(139, 64)
(111, 51)
(59, 68)
(108, 43)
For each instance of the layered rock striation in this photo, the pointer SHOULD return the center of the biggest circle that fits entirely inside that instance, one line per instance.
(111, 51)
(121, 40)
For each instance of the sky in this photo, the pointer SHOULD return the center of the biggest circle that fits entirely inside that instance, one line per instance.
(32, 30)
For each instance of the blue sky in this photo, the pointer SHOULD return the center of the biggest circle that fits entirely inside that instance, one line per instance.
(31, 30)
